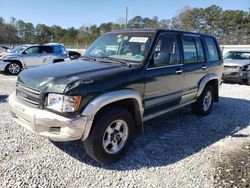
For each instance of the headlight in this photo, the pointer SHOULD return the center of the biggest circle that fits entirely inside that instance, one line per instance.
(63, 103)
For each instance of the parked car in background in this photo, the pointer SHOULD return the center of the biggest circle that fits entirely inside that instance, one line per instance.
(32, 56)
(125, 78)
(237, 66)
(3, 50)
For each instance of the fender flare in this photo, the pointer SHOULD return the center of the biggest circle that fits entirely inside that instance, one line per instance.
(23, 65)
(205, 80)
(99, 102)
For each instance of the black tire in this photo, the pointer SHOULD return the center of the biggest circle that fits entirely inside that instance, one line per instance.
(58, 60)
(94, 144)
(199, 107)
(13, 68)
(246, 82)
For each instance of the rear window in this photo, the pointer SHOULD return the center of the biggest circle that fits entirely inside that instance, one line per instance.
(213, 54)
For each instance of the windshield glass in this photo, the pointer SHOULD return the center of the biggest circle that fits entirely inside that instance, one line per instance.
(130, 46)
(237, 55)
(17, 49)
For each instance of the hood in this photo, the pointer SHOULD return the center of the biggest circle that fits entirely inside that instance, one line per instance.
(55, 77)
(8, 56)
(236, 62)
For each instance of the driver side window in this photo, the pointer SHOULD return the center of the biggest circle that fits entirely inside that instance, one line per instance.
(166, 51)
(32, 50)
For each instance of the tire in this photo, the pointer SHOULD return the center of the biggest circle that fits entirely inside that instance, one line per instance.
(107, 142)
(246, 82)
(205, 101)
(58, 60)
(13, 68)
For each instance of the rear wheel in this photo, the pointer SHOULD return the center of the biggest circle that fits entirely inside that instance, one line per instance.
(111, 135)
(13, 68)
(246, 81)
(204, 103)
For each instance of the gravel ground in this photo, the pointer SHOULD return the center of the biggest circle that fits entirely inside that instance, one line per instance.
(176, 150)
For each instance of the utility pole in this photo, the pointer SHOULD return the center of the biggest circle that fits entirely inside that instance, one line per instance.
(126, 17)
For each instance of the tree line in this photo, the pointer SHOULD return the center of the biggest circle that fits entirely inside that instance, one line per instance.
(229, 26)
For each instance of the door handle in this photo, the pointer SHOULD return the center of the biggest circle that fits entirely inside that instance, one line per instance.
(178, 71)
(204, 67)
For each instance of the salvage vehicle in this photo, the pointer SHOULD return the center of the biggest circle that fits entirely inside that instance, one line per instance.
(237, 67)
(32, 56)
(3, 50)
(125, 78)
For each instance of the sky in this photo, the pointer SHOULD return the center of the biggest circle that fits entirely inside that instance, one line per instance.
(76, 13)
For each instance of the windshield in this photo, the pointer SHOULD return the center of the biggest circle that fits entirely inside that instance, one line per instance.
(237, 55)
(17, 49)
(130, 46)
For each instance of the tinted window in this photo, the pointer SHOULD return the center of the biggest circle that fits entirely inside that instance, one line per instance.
(46, 49)
(167, 51)
(200, 51)
(57, 49)
(193, 49)
(189, 48)
(32, 50)
(213, 54)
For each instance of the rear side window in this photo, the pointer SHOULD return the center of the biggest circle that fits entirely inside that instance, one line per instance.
(193, 50)
(213, 54)
(200, 51)
(46, 49)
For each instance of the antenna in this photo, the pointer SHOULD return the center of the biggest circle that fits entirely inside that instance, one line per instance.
(126, 17)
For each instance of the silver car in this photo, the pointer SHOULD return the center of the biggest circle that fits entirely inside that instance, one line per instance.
(33, 56)
(237, 67)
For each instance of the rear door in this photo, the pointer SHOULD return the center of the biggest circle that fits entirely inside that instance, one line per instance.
(164, 78)
(46, 55)
(194, 67)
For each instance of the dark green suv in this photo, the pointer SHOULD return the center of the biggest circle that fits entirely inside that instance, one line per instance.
(125, 78)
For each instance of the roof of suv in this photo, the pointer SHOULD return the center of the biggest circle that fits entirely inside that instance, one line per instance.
(157, 30)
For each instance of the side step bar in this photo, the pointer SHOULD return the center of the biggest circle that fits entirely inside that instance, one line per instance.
(159, 113)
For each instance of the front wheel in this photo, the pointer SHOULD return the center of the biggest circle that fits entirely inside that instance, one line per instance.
(111, 135)
(205, 101)
(13, 68)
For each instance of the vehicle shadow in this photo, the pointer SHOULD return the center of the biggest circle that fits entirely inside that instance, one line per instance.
(175, 136)
(3, 98)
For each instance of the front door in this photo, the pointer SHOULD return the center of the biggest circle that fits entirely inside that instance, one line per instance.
(163, 77)
(31, 56)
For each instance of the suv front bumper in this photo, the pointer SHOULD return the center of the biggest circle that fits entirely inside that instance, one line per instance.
(240, 75)
(45, 123)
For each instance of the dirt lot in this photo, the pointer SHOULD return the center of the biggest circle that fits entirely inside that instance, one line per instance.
(176, 150)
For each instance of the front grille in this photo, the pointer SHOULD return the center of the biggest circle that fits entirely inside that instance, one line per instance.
(28, 94)
(230, 67)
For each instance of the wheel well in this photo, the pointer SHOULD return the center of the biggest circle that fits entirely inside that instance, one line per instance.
(130, 105)
(58, 60)
(214, 83)
(16, 61)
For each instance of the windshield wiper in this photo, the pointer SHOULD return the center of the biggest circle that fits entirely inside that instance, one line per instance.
(88, 57)
(108, 59)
